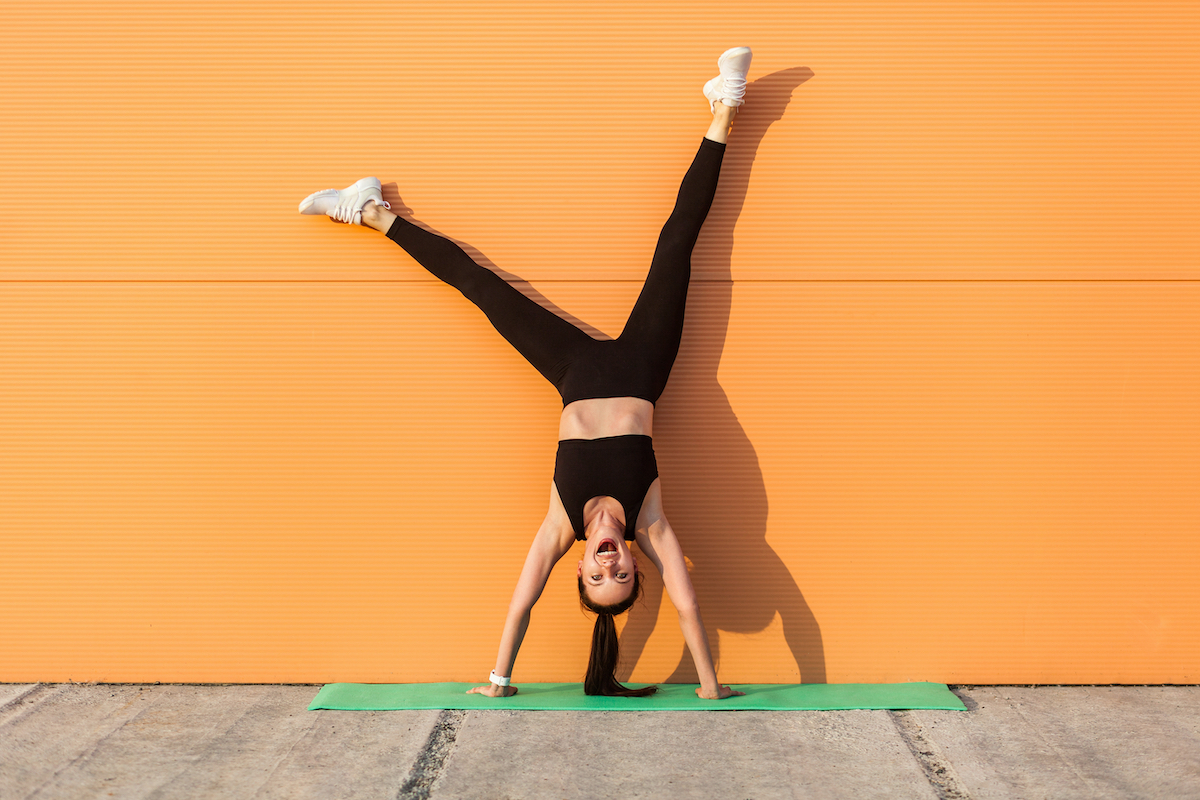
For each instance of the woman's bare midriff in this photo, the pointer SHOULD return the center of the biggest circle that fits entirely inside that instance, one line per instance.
(606, 416)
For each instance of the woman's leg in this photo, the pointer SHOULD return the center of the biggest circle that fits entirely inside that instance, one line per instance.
(546, 340)
(722, 121)
(656, 322)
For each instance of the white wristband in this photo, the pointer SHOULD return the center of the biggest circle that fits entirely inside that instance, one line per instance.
(496, 679)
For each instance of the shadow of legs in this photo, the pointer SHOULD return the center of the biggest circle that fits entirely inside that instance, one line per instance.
(713, 487)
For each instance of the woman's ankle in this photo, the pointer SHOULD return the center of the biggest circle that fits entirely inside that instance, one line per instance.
(722, 121)
(376, 216)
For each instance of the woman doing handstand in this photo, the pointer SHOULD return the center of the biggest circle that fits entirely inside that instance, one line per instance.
(606, 490)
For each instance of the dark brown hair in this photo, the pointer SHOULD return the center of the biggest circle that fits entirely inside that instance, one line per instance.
(601, 675)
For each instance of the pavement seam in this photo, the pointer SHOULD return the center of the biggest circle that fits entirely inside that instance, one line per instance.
(85, 755)
(308, 729)
(21, 705)
(937, 768)
(189, 760)
(433, 756)
(1015, 705)
(40, 689)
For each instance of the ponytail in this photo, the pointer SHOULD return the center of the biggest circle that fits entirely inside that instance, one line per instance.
(602, 664)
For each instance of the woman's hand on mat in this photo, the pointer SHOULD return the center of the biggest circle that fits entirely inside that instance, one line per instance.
(492, 690)
(720, 694)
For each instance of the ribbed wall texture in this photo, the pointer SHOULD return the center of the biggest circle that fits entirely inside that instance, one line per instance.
(935, 415)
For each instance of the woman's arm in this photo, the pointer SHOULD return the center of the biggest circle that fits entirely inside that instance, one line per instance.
(549, 545)
(659, 544)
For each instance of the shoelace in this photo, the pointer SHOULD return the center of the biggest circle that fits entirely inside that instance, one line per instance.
(734, 86)
(361, 198)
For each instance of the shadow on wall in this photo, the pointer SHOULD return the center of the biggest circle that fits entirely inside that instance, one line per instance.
(391, 194)
(713, 488)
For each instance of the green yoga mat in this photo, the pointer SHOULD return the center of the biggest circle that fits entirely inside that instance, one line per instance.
(670, 697)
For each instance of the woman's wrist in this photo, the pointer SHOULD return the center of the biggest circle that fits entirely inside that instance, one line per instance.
(499, 680)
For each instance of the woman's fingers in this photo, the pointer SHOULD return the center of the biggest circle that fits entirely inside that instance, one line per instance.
(489, 690)
(492, 690)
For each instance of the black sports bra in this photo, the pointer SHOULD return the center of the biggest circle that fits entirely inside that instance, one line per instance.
(622, 467)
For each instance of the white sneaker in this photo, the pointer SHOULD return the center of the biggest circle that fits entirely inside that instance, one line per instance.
(730, 86)
(345, 205)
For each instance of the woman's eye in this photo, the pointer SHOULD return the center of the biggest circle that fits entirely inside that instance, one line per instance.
(595, 577)
(622, 574)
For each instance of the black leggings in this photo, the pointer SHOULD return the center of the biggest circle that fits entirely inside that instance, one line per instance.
(636, 363)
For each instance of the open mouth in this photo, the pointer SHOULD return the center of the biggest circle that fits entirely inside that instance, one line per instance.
(607, 546)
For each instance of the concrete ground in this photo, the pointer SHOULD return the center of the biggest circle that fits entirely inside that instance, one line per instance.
(178, 741)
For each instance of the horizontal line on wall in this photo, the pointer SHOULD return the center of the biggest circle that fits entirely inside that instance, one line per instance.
(1131, 281)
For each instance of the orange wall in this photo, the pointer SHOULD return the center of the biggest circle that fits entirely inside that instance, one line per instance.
(935, 415)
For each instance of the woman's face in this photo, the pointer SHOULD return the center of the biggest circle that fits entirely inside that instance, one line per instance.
(607, 567)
